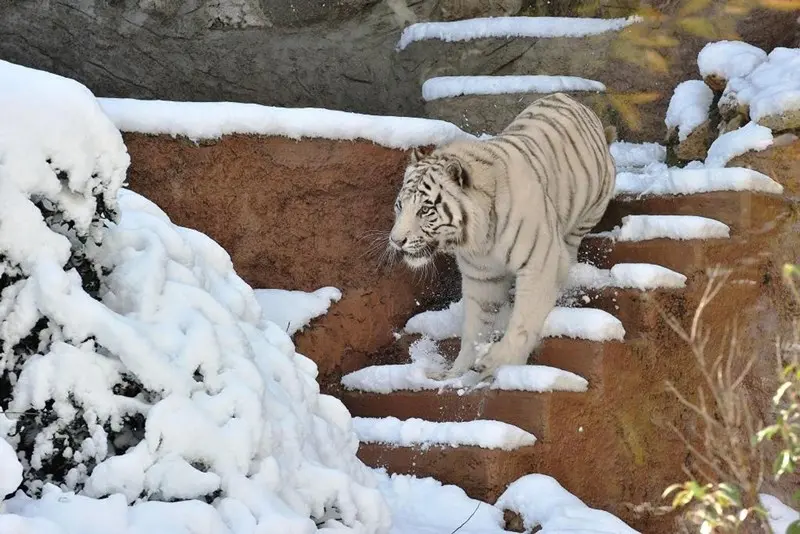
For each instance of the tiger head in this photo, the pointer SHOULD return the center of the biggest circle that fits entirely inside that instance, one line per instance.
(430, 216)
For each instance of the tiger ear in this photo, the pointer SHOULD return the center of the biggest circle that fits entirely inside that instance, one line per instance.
(457, 172)
(416, 155)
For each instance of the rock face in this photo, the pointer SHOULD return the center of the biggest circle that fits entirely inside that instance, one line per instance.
(337, 54)
(298, 215)
(491, 113)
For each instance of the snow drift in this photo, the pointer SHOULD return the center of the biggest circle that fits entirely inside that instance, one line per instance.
(135, 364)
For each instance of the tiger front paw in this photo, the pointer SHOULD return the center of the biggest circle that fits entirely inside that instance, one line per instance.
(487, 364)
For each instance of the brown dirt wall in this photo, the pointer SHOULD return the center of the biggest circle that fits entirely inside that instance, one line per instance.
(297, 215)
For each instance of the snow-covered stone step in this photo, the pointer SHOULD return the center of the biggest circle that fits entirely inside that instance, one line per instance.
(579, 356)
(664, 181)
(486, 434)
(678, 227)
(744, 212)
(511, 27)
(641, 276)
(486, 107)
(452, 86)
(686, 256)
(411, 377)
(482, 473)
(536, 413)
(591, 325)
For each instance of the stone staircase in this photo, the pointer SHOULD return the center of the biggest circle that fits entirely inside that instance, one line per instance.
(596, 442)
(598, 57)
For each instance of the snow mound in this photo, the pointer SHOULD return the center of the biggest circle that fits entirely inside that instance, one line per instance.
(210, 120)
(661, 180)
(420, 433)
(729, 59)
(10, 469)
(508, 27)
(294, 310)
(681, 227)
(142, 369)
(452, 86)
(582, 323)
(426, 506)
(642, 276)
(632, 155)
(772, 88)
(541, 501)
(688, 108)
(727, 146)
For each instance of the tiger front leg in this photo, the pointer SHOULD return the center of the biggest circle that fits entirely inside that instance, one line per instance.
(485, 310)
(537, 290)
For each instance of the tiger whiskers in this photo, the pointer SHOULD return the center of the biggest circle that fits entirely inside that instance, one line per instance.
(378, 249)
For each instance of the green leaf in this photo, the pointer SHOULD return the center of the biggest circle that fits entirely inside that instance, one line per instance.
(794, 527)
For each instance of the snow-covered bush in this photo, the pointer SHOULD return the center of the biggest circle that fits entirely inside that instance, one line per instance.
(134, 362)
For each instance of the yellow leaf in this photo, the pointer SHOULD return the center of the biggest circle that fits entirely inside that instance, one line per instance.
(630, 115)
(649, 13)
(643, 98)
(737, 10)
(589, 9)
(782, 5)
(692, 6)
(700, 26)
(656, 61)
(649, 38)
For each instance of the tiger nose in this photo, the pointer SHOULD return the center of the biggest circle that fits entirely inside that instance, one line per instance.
(398, 243)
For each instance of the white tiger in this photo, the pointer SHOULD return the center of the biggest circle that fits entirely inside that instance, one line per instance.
(513, 209)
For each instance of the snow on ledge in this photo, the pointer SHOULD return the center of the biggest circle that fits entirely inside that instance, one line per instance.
(411, 377)
(452, 86)
(772, 88)
(507, 27)
(541, 500)
(211, 120)
(660, 180)
(631, 155)
(680, 227)
(689, 106)
(577, 323)
(420, 433)
(729, 59)
(751, 136)
(293, 310)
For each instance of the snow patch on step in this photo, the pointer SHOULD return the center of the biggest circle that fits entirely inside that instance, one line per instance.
(751, 136)
(680, 227)
(629, 155)
(425, 357)
(541, 500)
(577, 323)
(420, 433)
(411, 377)
(453, 86)
(508, 27)
(642, 276)
(658, 179)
